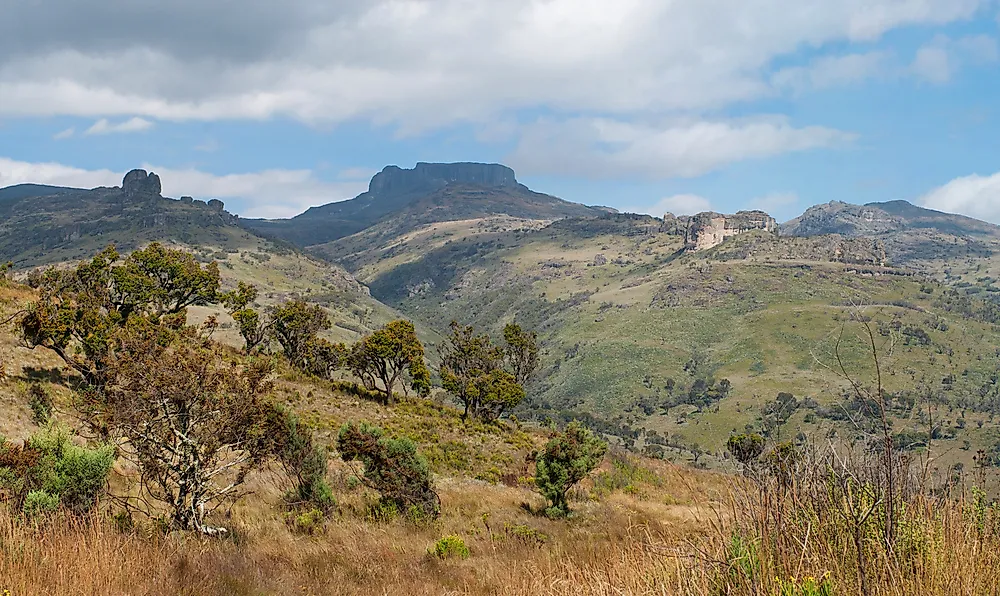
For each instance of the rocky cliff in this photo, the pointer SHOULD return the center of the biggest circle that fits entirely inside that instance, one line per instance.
(708, 230)
(430, 176)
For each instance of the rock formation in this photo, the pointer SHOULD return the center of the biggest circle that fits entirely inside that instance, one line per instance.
(137, 184)
(429, 176)
(708, 230)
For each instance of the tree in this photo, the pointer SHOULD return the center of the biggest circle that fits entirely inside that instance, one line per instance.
(393, 467)
(746, 448)
(521, 352)
(303, 461)
(487, 379)
(79, 311)
(389, 354)
(253, 327)
(296, 325)
(193, 425)
(568, 458)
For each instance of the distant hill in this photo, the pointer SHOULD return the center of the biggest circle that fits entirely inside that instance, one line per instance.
(45, 225)
(922, 238)
(428, 193)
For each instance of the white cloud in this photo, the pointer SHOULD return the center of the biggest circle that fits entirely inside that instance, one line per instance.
(420, 64)
(104, 127)
(937, 61)
(683, 204)
(64, 134)
(976, 196)
(833, 71)
(268, 193)
(599, 147)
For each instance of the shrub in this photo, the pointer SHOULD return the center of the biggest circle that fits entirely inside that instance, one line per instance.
(393, 467)
(746, 448)
(450, 546)
(76, 476)
(566, 460)
(39, 502)
(40, 403)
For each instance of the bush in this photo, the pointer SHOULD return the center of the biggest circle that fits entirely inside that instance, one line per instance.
(393, 467)
(40, 403)
(450, 546)
(566, 460)
(39, 502)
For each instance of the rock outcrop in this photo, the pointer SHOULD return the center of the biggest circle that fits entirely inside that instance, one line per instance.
(708, 230)
(429, 176)
(137, 184)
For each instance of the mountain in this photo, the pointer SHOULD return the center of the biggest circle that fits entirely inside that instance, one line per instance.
(882, 218)
(46, 225)
(428, 193)
(925, 240)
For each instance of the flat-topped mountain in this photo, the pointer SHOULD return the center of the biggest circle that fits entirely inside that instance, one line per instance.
(428, 193)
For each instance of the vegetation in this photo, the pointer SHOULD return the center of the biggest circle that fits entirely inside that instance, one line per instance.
(567, 459)
(382, 358)
(488, 380)
(392, 467)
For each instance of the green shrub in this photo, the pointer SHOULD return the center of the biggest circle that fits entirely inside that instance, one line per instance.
(39, 502)
(308, 522)
(40, 403)
(393, 467)
(449, 547)
(566, 460)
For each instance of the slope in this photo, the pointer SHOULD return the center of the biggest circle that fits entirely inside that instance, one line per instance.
(42, 225)
(639, 334)
(406, 198)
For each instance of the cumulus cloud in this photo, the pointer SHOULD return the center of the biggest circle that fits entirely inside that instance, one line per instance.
(601, 147)
(683, 204)
(268, 193)
(976, 196)
(422, 63)
(104, 127)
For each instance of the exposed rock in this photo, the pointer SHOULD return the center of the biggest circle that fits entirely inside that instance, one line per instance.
(708, 230)
(187, 200)
(427, 176)
(216, 205)
(600, 260)
(837, 217)
(137, 184)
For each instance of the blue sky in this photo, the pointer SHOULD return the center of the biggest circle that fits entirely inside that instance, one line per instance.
(641, 105)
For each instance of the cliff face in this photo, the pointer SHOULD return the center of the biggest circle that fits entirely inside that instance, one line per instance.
(431, 176)
(708, 230)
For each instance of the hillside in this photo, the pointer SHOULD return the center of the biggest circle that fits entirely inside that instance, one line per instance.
(640, 332)
(399, 200)
(45, 225)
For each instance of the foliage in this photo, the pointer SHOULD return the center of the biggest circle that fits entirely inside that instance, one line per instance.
(746, 448)
(296, 326)
(195, 426)
(449, 547)
(79, 311)
(487, 379)
(303, 461)
(381, 359)
(567, 459)
(253, 327)
(50, 465)
(393, 467)
(39, 502)
(40, 402)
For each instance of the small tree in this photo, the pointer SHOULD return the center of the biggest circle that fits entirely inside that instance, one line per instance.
(194, 426)
(253, 327)
(303, 461)
(746, 449)
(393, 467)
(79, 311)
(566, 460)
(487, 379)
(296, 326)
(386, 356)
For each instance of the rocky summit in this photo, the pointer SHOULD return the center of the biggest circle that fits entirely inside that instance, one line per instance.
(139, 184)
(430, 176)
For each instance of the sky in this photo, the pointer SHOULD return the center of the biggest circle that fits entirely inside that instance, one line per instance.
(648, 106)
